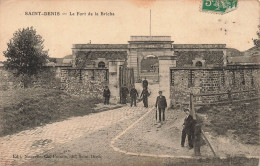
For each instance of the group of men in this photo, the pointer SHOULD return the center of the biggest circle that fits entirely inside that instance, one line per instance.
(160, 101)
(134, 94)
(161, 104)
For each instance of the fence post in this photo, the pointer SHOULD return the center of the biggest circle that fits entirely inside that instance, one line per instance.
(192, 111)
(196, 135)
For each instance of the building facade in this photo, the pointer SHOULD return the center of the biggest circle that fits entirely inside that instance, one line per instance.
(141, 50)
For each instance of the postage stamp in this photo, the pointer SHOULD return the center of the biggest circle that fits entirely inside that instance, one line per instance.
(219, 6)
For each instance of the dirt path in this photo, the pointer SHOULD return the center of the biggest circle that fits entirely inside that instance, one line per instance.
(86, 141)
(41, 139)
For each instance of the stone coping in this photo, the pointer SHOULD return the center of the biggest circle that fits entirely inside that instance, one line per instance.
(200, 46)
(101, 46)
(228, 67)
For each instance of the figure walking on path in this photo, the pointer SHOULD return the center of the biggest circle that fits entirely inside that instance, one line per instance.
(145, 83)
(124, 92)
(145, 95)
(161, 103)
(188, 129)
(133, 96)
(106, 95)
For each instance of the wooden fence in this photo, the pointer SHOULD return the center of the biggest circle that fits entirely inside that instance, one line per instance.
(228, 99)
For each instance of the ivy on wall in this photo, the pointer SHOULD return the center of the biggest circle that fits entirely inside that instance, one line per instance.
(211, 57)
(86, 58)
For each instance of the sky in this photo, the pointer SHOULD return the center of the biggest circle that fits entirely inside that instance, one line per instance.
(183, 20)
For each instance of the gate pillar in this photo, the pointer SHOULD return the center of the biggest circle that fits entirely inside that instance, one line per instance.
(113, 69)
(165, 62)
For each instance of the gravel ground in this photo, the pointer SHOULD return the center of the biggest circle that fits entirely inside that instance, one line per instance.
(94, 149)
(149, 136)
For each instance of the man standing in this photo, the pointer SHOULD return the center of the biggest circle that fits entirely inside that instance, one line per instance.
(133, 95)
(145, 83)
(145, 95)
(161, 104)
(188, 129)
(124, 92)
(106, 95)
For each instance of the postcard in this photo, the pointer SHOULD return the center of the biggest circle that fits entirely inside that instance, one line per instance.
(129, 82)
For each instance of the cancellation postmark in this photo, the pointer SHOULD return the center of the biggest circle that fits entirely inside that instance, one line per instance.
(219, 6)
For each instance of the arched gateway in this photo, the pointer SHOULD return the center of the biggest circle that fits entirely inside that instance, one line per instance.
(144, 52)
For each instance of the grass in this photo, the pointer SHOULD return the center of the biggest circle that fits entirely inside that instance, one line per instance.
(23, 109)
(240, 118)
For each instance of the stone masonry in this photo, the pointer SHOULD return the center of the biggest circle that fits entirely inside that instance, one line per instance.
(86, 82)
(241, 81)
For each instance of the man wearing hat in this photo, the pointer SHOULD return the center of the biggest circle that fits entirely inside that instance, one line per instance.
(124, 93)
(133, 95)
(161, 104)
(145, 83)
(145, 94)
(188, 129)
(106, 95)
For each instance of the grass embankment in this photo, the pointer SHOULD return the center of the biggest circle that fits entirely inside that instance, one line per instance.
(240, 118)
(27, 108)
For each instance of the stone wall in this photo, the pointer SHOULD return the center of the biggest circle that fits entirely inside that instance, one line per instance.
(46, 79)
(85, 82)
(217, 84)
(6, 80)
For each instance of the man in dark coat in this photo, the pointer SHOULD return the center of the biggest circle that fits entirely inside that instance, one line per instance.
(145, 95)
(145, 83)
(161, 104)
(188, 129)
(106, 95)
(124, 92)
(133, 96)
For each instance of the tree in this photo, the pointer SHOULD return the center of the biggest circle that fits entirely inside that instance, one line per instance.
(257, 41)
(25, 52)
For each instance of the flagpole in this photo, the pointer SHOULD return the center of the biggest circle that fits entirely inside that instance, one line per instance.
(150, 23)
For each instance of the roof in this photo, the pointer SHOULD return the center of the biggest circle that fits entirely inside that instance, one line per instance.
(200, 46)
(150, 38)
(104, 46)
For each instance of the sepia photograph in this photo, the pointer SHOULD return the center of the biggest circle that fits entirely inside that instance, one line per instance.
(129, 82)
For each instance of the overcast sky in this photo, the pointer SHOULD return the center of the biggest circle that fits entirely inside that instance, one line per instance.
(180, 19)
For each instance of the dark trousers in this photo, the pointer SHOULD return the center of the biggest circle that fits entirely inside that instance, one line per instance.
(190, 139)
(145, 101)
(161, 110)
(123, 100)
(133, 101)
(106, 101)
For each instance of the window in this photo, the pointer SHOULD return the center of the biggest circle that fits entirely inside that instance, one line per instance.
(198, 64)
(191, 78)
(172, 77)
(242, 76)
(101, 65)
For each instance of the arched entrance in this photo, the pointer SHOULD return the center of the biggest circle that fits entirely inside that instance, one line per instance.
(149, 67)
(150, 64)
